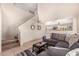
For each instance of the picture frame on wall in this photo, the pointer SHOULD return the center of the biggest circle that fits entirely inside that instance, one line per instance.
(38, 27)
(32, 27)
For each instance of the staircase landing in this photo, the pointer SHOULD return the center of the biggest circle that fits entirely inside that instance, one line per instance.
(9, 44)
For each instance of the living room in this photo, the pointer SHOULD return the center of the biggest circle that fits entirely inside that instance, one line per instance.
(32, 25)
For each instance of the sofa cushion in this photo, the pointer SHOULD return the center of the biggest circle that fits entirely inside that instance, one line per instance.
(53, 36)
(56, 51)
(63, 44)
(62, 36)
(58, 36)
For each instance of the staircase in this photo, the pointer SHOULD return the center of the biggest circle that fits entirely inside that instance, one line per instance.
(11, 43)
(8, 44)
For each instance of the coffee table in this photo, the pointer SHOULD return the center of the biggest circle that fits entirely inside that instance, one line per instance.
(39, 47)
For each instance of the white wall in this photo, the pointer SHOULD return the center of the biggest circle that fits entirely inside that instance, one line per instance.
(27, 34)
(49, 12)
(12, 18)
(26, 6)
(78, 25)
(74, 27)
(0, 28)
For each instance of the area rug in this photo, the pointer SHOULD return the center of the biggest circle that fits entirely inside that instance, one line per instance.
(27, 52)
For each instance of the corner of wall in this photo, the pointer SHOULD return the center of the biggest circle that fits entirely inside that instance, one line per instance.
(0, 28)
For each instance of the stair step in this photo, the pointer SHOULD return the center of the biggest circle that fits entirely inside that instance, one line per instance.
(9, 46)
(5, 42)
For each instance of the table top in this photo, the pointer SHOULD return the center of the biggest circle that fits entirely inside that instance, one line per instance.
(40, 44)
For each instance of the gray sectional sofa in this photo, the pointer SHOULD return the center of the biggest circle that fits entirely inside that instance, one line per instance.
(54, 51)
(59, 51)
(58, 46)
(57, 40)
(51, 51)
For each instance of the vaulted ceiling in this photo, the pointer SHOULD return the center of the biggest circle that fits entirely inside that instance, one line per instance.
(16, 14)
(46, 11)
(53, 11)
